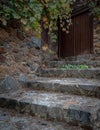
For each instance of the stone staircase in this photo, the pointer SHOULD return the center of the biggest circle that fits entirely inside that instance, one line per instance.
(66, 96)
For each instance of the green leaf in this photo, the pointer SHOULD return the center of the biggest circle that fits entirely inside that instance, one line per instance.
(3, 21)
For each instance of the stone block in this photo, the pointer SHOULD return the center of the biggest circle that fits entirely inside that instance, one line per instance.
(9, 84)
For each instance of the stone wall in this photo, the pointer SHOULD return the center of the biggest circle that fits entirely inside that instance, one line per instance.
(96, 37)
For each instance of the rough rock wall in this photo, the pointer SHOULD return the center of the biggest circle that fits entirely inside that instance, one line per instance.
(96, 37)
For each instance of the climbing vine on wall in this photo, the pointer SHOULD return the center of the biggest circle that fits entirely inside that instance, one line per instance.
(32, 12)
(27, 11)
(95, 8)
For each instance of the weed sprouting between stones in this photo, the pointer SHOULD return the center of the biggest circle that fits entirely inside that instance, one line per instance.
(76, 67)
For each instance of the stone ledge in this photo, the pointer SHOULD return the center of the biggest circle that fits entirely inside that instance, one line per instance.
(68, 85)
(10, 120)
(59, 107)
(63, 73)
(54, 64)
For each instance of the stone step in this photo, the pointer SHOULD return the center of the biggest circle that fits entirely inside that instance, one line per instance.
(63, 73)
(67, 85)
(62, 64)
(77, 110)
(11, 120)
(86, 57)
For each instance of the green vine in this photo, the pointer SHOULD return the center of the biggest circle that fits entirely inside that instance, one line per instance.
(27, 11)
(32, 12)
(95, 8)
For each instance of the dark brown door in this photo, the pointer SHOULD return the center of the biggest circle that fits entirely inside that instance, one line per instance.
(79, 39)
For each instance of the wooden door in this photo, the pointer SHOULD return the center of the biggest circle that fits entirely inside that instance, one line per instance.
(79, 41)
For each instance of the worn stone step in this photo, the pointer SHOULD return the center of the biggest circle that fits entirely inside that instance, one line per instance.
(11, 120)
(66, 85)
(77, 110)
(86, 57)
(63, 73)
(62, 64)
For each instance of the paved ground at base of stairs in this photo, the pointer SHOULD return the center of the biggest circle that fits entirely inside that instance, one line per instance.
(10, 120)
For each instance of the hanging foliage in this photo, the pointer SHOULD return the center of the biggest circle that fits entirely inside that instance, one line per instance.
(95, 8)
(32, 12)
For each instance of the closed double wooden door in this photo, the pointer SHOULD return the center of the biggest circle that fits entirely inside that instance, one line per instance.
(79, 40)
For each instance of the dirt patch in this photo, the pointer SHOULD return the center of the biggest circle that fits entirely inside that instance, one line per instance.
(17, 53)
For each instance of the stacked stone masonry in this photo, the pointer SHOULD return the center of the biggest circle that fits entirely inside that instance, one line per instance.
(96, 37)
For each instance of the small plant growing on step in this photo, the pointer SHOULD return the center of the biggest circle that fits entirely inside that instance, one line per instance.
(77, 67)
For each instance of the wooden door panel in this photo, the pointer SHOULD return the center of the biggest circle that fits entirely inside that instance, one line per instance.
(79, 40)
(66, 46)
(77, 35)
(85, 34)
